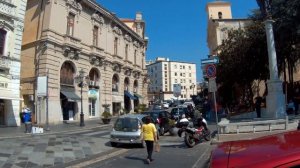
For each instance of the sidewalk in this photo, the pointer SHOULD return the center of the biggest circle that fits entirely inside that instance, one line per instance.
(17, 132)
(248, 133)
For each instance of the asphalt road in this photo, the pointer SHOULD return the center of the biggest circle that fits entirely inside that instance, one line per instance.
(174, 153)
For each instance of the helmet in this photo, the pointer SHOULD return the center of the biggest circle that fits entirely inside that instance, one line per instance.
(183, 116)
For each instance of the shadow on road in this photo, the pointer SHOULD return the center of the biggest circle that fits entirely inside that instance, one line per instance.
(136, 158)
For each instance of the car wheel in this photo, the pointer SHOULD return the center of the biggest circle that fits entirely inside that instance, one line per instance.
(162, 131)
(113, 144)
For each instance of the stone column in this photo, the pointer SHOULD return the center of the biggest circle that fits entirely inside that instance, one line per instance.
(275, 99)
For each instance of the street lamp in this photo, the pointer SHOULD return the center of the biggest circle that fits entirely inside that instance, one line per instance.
(275, 99)
(193, 87)
(80, 79)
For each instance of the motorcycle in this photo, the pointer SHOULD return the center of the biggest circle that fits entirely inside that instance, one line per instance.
(193, 135)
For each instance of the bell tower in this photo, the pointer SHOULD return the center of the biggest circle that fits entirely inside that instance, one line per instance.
(219, 10)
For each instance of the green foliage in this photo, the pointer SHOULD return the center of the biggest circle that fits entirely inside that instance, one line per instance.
(106, 114)
(140, 108)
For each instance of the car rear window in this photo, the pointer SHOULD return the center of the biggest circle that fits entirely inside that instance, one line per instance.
(153, 115)
(126, 124)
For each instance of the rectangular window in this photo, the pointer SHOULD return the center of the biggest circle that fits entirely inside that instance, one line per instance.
(2, 41)
(190, 75)
(95, 36)
(126, 52)
(175, 80)
(190, 68)
(70, 24)
(116, 46)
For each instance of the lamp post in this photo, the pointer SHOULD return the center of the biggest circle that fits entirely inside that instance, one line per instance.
(193, 87)
(275, 99)
(80, 79)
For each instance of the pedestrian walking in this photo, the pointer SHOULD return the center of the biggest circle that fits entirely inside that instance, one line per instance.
(149, 135)
(258, 101)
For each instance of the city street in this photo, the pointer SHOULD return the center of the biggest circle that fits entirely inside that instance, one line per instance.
(91, 148)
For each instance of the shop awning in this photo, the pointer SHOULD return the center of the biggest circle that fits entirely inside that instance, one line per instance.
(72, 96)
(129, 95)
(139, 96)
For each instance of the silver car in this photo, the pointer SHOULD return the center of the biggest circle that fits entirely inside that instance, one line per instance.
(128, 130)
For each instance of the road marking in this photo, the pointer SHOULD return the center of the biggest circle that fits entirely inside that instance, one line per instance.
(204, 153)
(101, 158)
(96, 133)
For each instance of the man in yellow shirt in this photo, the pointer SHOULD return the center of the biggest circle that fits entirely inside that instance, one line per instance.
(149, 133)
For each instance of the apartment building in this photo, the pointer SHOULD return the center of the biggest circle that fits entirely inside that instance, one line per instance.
(90, 57)
(12, 13)
(163, 74)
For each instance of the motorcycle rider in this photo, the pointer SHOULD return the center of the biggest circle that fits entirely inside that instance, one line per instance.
(202, 122)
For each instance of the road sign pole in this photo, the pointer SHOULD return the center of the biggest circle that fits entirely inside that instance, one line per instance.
(216, 111)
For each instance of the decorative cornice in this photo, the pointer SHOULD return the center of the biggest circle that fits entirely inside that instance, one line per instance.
(71, 53)
(98, 18)
(117, 30)
(74, 4)
(128, 38)
(137, 44)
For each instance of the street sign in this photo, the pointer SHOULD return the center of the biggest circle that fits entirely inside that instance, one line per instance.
(210, 70)
(212, 85)
(213, 60)
(176, 90)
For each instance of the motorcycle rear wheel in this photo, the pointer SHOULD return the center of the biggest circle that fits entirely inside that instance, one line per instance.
(189, 141)
(207, 137)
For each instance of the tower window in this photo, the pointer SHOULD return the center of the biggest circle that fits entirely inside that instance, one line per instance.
(220, 15)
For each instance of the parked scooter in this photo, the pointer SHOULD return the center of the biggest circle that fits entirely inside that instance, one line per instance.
(192, 135)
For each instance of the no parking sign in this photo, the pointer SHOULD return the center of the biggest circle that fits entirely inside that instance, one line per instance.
(211, 70)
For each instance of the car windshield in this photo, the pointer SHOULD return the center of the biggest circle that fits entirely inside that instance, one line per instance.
(178, 111)
(152, 115)
(126, 124)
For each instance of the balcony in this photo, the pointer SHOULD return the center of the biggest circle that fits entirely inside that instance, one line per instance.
(7, 8)
(72, 42)
(97, 51)
(5, 62)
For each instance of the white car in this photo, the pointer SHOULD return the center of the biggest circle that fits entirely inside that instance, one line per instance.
(165, 105)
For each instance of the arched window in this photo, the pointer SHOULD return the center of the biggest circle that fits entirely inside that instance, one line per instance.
(2, 41)
(67, 74)
(135, 86)
(94, 78)
(220, 15)
(115, 83)
(126, 84)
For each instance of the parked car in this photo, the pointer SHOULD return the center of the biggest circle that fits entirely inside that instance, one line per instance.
(177, 112)
(279, 150)
(189, 103)
(165, 105)
(157, 107)
(162, 118)
(128, 130)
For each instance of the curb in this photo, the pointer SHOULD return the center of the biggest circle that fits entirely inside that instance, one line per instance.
(55, 132)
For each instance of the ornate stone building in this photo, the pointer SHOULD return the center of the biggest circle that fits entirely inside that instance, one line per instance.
(66, 39)
(12, 14)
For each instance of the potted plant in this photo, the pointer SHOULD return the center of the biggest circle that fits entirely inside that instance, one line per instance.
(173, 130)
(106, 116)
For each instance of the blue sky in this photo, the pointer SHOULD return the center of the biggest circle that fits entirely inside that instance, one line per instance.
(176, 28)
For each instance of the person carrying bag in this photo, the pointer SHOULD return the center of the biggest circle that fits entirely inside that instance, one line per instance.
(149, 135)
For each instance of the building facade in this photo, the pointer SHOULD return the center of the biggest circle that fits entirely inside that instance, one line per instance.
(220, 21)
(87, 54)
(163, 74)
(12, 13)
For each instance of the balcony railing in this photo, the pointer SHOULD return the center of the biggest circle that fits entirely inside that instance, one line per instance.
(72, 41)
(5, 62)
(7, 8)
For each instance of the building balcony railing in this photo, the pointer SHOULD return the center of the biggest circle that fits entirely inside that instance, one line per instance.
(5, 62)
(7, 8)
(72, 42)
(97, 51)
(93, 84)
